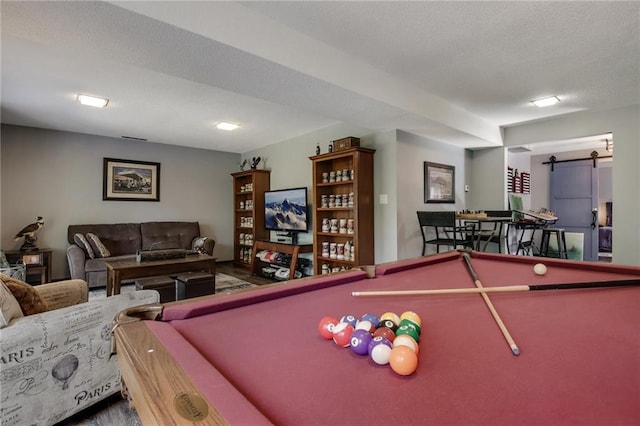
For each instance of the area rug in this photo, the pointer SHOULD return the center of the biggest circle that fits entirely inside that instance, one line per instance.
(225, 284)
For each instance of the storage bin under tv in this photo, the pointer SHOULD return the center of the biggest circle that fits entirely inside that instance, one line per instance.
(358, 162)
(293, 250)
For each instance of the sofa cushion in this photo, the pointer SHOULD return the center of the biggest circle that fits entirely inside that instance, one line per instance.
(168, 235)
(9, 306)
(30, 301)
(98, 248)
(81, 241)
(118, 238)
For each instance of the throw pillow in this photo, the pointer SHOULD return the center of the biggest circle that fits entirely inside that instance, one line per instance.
(198, 245)
(82, 242)
(98, 248)
(29, 299)
(9, 306)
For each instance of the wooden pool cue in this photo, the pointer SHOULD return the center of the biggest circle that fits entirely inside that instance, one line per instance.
(505, 289)
(503, 328)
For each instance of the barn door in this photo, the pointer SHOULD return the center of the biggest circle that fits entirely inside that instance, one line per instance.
(574, 199)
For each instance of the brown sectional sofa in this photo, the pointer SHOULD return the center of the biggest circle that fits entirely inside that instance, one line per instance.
(123, 240)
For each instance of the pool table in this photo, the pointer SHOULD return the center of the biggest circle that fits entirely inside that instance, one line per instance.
(256, 357)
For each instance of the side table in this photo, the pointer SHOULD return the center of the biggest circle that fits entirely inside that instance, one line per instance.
(38, 263)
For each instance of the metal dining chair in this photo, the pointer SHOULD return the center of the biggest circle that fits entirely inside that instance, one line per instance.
(491, 232)
(441, 229)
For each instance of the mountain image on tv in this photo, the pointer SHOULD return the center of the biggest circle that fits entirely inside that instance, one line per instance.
(286, 210)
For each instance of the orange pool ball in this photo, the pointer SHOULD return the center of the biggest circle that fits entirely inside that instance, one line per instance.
(403, 360)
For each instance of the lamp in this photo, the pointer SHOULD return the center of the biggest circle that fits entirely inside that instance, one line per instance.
(544, 102)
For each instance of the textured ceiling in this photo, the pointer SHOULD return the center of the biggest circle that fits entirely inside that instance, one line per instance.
(453, 71)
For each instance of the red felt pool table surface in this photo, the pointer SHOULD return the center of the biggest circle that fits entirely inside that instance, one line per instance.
(256, 357)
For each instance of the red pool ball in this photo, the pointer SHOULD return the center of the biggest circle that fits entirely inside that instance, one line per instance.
(342, 334)
(326, 326)
(360, 340)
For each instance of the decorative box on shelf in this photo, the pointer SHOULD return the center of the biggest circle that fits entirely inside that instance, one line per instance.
(344, 143)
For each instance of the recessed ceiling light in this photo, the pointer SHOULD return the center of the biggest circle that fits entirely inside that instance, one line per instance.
(544, 102)
(93, 101)
(223, 125)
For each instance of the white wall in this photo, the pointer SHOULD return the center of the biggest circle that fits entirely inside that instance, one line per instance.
(487, 179)
(290, 164)
(58, 175)
(624, 124)
(412, 152)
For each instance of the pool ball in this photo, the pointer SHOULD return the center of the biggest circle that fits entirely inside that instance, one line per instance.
(410, 315)
(351, 319)
(403, 360)
(385, 332)
(388, 324)
(405, 329)
(365, 325)
(372, 318)
(380, 350)
(342, 334)
(325, 327)
(360, 340)
(411, 325)
(391, 316)
(540, 269)
(406, 340)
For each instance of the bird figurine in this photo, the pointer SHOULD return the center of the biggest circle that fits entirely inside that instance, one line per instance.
(255, 161)
(28, 233)
(244, 163)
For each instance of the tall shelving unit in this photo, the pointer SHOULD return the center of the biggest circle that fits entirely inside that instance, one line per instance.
(248, 219)
(357, 162)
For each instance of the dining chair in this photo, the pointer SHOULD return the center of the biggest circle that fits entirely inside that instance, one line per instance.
(441, 229)
(491, 231)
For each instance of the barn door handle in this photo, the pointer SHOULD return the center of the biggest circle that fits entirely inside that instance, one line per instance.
(594, 218)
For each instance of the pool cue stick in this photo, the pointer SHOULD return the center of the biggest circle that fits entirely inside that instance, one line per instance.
(503, 328)
(505, 289)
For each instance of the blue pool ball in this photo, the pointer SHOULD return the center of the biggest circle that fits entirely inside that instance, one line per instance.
(360, 340)
(351, 319)
(372, 318)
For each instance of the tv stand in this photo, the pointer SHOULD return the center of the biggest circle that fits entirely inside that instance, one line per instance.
(293, 249)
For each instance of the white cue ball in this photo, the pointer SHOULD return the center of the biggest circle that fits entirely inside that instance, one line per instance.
(540, 269)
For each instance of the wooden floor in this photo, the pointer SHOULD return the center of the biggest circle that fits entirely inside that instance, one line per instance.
(116, 411)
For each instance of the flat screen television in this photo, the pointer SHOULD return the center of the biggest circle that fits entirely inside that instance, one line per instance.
(286, 210)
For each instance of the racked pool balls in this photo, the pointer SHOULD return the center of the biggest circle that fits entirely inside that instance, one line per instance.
(326, 325)
(403, 360)
(365, 325)
(388, 324)
(342, 334)
(360, 340)
(405, 329)
(372, 318)
(390, 316)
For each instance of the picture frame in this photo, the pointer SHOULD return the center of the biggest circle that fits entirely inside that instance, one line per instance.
(130, 180)
(439, 183)
(32, 259)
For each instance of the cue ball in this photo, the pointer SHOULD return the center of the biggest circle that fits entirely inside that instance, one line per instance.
(540, 269)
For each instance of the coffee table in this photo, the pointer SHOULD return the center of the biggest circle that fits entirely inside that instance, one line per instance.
(119, 270)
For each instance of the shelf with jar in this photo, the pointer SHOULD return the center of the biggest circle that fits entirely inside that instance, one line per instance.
(248, 192)
(343, 210)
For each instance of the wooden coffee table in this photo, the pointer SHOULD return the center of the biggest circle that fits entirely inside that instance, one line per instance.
(131, 269)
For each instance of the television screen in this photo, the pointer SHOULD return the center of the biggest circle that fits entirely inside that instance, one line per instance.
(286, 209)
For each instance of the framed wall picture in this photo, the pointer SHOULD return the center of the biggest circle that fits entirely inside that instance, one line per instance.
(128, 180)
(32, 259)
(439, 183)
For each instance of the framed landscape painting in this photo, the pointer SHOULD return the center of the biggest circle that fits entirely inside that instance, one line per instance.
(439, 183)
(128, 180)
